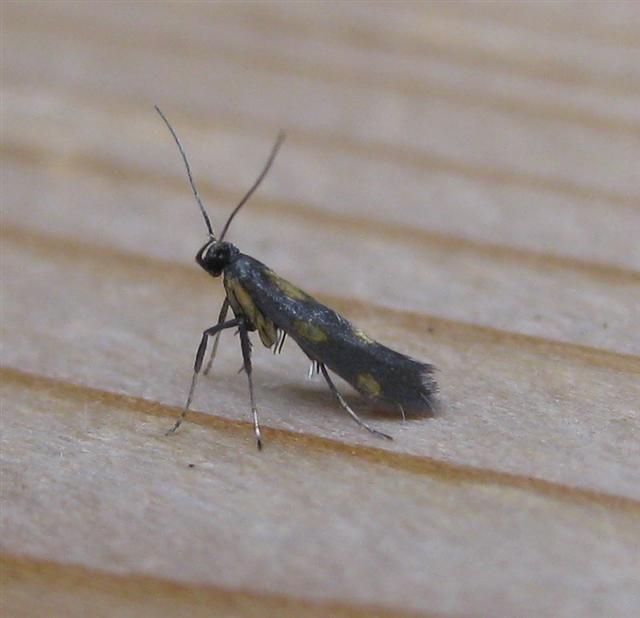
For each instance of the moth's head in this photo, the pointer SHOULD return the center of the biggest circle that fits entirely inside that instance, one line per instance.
(215, 256)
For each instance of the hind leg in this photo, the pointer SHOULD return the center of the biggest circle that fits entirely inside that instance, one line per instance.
(346, 407)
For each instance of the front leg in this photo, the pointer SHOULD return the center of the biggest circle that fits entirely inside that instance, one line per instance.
(221, 318)
(214, 330)
(245, 344)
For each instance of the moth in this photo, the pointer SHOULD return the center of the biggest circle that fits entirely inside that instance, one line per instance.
(261, 301)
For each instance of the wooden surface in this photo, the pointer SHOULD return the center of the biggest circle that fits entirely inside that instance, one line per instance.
(459, 179)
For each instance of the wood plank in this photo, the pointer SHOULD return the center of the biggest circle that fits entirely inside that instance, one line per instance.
(494, 206)
(119, 311)
(35, 588)
(577, 165)
(460, 180)
(308, 519)
(501, 287)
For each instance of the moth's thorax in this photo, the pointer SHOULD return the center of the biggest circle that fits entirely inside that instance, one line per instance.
(215, 256)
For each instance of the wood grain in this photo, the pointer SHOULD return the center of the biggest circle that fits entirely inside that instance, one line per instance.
(460, 179)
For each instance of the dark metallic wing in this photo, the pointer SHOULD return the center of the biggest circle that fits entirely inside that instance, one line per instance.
(379, 373)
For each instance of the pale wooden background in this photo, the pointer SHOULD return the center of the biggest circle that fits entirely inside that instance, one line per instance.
(462, 180)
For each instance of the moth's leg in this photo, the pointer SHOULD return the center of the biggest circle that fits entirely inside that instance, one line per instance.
(345, 405)
(277, 346)
(221, 318)
(314, 369)
(198, 365)
(245, 344)
(404, 416)
(284, 336)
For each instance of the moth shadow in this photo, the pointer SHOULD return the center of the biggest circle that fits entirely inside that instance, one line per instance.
(360, 405)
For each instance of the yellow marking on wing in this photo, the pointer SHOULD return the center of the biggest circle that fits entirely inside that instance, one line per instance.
(287, 288)
(265, 327)
(310, 331)
(230, 287)
(267, 331)
(367, 383)
(245, 301)
(362, 335)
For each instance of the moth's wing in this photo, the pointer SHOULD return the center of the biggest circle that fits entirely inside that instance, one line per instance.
(381, 374)
(243, 302)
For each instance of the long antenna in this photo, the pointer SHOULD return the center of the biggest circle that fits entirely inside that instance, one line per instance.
(256, 184)
(186, 164)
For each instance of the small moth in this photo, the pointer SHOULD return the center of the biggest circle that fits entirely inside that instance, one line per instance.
(263, 301)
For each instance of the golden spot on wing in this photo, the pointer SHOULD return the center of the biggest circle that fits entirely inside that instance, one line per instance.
(367, 384)
(310, 331)
(242, 301)
(245, 301)
(362, 335)
(287, 288)
(230, 286)
(267, 331)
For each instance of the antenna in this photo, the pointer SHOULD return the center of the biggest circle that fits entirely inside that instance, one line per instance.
(256, 184)
(186, 164)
